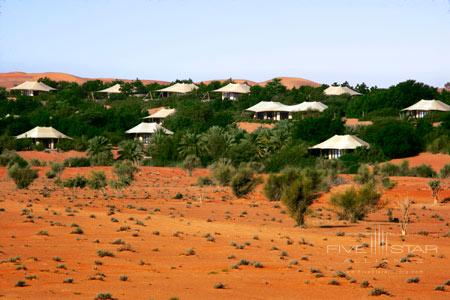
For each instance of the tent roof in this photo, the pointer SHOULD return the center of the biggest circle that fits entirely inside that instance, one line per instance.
(33, 86)
(429, 105)
(115, 89)
(305, 106)
(340, 90)
(43, 133)
(181, 88)
(341, 142)
(162, 113)
(238, 88)
(269, 106)
(150, 128)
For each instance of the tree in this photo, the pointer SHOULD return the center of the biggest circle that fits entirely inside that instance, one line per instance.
(435, 186)
(222, 171)
(132, 150)
(404, 220)
(97, 181)
(190, 163)
(22, 176)
(243, 182)
(124, 171)
(100, 151)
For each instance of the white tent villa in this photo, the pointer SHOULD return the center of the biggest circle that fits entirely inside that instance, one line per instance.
(423, 107)
(178, 88)
(338, 145)
(159, 116)
(115, 89)
(45, 135)
(233, 91)
(340, 90)
(32, 88)
(269, 110)
(144, 131)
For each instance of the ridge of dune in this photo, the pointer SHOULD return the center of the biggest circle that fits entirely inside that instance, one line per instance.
(11, 79)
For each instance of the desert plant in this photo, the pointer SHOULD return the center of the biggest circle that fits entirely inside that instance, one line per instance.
(273, 188)
(99, 151)
(74, 162)
(364, 175)
(404, 220)
(354, 204)
(204, 180)
(190, 163)
(97, 180)
(22, 176)
(422, 171)
(222, 171)
(445, 171)
(9, 158)
(435, 186)
(132, 150)
(124, 171)
(243, 182)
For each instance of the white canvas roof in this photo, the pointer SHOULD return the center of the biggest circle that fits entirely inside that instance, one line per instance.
(305, 106)
(43, 133)
(238, 88)
(269, 106)
(149, 128)
(181, 88)
(115, 89)
(341, 142)
(162, 113)
(429, 105)
(340, 90)
(33, 86)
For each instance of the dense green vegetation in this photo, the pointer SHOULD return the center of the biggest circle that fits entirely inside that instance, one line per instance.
(206, 129)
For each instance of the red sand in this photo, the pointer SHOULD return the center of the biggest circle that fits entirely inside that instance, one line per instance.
(251, 127)
(436, 161)
(161, 230)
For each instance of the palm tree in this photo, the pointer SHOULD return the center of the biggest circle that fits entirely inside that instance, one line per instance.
(132, 150)
(188, 144)
(99, 151)
(216, 142)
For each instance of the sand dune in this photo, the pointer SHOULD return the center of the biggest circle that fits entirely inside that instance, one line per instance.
(8, 80)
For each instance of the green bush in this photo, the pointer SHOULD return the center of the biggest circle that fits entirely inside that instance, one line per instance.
(124, 170)
(440, 144)
(274, 186)
(78, 181)
(22, 176)
(243, 182)
(99, 151)
(9, 157)
(353, 204)
(132, 150)
(364, 175)
(423, 171)
(222, 171)
(97, 180)
(75, 162)
(202, 181)
(445, 171)
(190, 163)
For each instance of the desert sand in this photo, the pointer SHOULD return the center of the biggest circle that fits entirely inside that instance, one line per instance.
(184, 247)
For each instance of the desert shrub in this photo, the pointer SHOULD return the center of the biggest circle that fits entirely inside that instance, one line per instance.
(423, 171)
(99, 151)
(354, 204)
(97, 180)
(22, 176)
(124, 171)
(389, 169)
(440, 144)
(9, 157)
(204, 180)
(132, 150)
(243, 182)
(37, 163)
(78, 181)
(55, 170)
(273, 188)
(364, 175)
(190, 163)
(222, 171)
(445, 171)
(77, 162)
(435, 186)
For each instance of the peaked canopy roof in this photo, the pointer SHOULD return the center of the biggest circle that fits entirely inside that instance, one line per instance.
(429, 105)
(115, 89)
(238, 88)
(33, 86)
(305, 106)
(269, 106)
(149, 128)
(162, 113)
(181, 88)
(43, 133)
(340, 90)
(341, 142)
